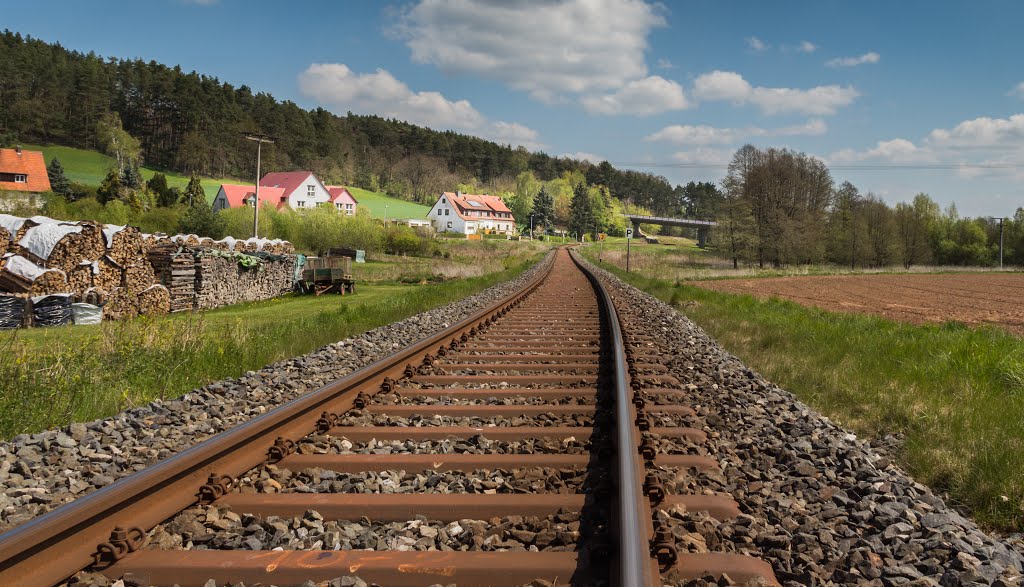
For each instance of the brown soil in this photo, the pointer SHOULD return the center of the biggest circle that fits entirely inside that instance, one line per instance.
(971, 298)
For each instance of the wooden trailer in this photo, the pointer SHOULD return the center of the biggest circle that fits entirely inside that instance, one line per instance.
(321, 275)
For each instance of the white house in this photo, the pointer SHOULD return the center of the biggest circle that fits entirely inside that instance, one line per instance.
(471, 214)
(302, 189)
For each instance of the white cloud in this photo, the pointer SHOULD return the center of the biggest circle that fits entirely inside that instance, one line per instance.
(756, 45)
(334, 84)
(1018, 90)
(871, 57)
(982, 141)
(644, 97)
(584, 156)
(709, 135)
(666, 64)
(704, 156)
(544, 48)
(807, 47)
(730, 86)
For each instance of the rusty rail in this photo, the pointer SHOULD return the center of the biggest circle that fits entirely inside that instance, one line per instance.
(54, 546)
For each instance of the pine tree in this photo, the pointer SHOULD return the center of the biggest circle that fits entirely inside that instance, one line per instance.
(58, 181)
(581, 214)
(194, 194)
(544, 210)
(130, 176)
(111, 189)
(165, 197)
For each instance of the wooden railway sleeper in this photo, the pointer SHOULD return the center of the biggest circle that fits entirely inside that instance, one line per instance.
(215, 487)
(123, 541)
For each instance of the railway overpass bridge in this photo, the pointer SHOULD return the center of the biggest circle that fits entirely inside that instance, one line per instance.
(703, 226)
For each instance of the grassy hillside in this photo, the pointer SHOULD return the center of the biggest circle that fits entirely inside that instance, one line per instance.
(395, 208)
(90, 167)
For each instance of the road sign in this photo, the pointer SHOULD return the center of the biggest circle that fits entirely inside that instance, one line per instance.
(601, 236)
(629, 233)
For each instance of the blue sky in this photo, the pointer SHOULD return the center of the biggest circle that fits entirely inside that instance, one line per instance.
(897, 97)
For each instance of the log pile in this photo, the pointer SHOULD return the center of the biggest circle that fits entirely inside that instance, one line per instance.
(119, 266)
(154, 300)
(223, 280)
(175, 269)
(121, 304)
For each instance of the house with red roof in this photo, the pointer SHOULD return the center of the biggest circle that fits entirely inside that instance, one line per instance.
(235, 196)
(342, 199)
(293, 189)
(23, 171)
(471, 214)
(302, 189)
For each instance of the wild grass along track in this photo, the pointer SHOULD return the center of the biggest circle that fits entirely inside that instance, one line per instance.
(544, 390)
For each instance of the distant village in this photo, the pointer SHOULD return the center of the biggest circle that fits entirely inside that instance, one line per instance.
(24, 171)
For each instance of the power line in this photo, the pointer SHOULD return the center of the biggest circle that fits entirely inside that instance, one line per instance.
(878, 167)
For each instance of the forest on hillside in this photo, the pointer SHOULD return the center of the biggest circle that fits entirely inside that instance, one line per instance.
(192, 123)
(775, 206)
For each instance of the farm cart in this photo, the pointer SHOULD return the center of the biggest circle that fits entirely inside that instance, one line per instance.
(322, 275)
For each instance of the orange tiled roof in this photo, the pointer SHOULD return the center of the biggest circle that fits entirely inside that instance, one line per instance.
(28, 163)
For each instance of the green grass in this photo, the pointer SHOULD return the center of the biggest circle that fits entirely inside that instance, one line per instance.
(956, 393)
(90, 167)
(79, 373)
(395, 208)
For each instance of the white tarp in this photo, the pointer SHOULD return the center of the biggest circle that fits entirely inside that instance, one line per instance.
(86, 314)
(109, 230)
(22, 267)
(229, 241)
(12, 223)
(47, 220)
(41, 239)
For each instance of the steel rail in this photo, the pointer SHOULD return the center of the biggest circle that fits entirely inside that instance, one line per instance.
(634, 515)
(56, 545)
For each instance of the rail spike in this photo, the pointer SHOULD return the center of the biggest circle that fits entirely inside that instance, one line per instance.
(663, 546)
(122, 542)
(326, 422)
(214, 488)
(282, 448)
(653, 489)
(387, 385)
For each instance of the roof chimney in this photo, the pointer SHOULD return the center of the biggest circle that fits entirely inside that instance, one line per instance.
(458, 194)
(17, 149)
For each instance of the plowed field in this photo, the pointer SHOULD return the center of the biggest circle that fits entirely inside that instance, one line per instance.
(971, 298)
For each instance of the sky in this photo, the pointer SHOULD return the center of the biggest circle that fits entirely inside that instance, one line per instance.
(896, 97)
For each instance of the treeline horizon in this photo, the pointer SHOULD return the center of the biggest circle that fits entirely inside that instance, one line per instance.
(195, 124)
(775, 206)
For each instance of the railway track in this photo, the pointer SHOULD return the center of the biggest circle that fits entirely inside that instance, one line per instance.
(537, 442)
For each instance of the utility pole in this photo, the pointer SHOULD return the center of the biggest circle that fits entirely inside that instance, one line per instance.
(385, 215)
(531, 227)
(260, 139)
(1000, 242)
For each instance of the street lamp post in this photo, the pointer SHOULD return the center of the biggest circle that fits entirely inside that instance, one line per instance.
(385, 215)
(531, 227)
(260, 139)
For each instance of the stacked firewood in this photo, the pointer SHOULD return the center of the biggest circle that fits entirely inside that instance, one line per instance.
(118, 266)
(154, 300)
(175, 269)
(222, 280)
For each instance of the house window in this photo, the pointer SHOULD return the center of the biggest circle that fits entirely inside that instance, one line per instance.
(449, 224)
(300, 203)
(348, 207)
(311, 192)
(20, 178)
(446, 211)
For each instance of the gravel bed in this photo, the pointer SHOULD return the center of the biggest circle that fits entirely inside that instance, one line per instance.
(820, 505)
(219, 528)
(360, 418)
(272, 479)
(478, 444)
(41, 471)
